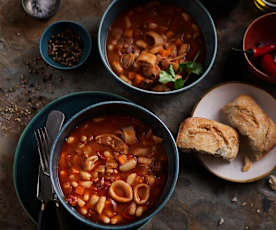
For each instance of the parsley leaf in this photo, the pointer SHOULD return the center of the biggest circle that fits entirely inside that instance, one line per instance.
(165, 77)
(179, 83)
(192, 67)
(171, 71)
(170, 76)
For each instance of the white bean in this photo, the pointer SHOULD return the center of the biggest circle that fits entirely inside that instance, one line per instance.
(131, 177)
(107, 154)
(105, 219)
(83, 138)
(131, 164)
(117, 66)
(83, 211)
(85, 175)
(132, 209)
(151, 179)
(94, 199)
(72, 177)
(152, 25)
(81, 203)
(116, 219)
(86, 184)
(100, 205)
(144, 160)
(100, 169)
(110, 47)
(74, 184)
(86, 196)
(70, 140)
(139, 211)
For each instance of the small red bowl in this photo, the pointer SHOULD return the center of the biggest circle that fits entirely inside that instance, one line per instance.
(262, 29)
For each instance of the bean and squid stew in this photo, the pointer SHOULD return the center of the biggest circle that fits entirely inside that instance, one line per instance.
(112, 169)
(157, 47)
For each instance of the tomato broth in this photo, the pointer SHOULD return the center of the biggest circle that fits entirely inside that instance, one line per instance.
(112, 169)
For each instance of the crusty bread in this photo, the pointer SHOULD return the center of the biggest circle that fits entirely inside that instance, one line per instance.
(207, 136)
(244, 114)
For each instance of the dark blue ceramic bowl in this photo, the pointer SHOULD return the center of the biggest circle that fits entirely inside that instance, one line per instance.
(58, 27)
(122, 108)
(193, 7)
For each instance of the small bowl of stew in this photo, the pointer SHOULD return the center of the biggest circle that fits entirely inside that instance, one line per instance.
(157, 47)
(114, 165)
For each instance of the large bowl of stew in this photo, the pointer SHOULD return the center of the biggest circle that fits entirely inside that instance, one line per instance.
(114, 165)
(157, 47)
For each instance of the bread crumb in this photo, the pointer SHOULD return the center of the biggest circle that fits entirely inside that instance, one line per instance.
(272, 182)
(221, 221)
(247, 164)
(246, 227)
(244, 203)
(258, 210)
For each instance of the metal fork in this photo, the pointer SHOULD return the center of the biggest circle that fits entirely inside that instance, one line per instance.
(42, 140)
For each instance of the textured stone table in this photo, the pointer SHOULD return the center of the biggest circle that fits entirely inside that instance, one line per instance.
(200, 199)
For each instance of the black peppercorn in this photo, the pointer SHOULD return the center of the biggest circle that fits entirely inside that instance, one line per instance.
(65, 48)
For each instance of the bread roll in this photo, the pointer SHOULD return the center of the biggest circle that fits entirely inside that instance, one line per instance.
(244, 114)
(207, 136)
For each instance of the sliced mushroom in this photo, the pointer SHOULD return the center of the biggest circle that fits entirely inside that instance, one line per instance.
(157, 38)
(121, 191)
(141, 193)
(113, 141)
(129, 135)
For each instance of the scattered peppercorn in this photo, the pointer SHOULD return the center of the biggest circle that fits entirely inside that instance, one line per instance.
(65, 48)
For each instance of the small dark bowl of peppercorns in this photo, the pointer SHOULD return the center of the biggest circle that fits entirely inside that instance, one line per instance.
(65, 45)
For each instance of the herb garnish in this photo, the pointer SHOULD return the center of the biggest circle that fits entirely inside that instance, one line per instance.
(192, 67)
(170, 76)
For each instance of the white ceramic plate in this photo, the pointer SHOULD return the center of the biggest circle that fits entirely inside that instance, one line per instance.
(209, 107)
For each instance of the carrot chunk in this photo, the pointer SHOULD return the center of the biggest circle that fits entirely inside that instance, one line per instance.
(164, 53)
(80, 190)
(178, 42)
(122, 159)
(138, 79)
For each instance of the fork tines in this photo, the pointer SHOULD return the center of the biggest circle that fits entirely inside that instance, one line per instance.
(42, 140)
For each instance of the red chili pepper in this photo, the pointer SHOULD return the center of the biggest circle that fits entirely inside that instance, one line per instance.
(259, 51)
(269, 65)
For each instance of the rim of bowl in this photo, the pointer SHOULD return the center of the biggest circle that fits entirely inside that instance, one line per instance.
(87, 36)
(243, 44)
(16, 155)
(41, 17)
(140, 221)
(207, 70)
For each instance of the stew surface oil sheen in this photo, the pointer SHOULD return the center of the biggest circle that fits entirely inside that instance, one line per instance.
(144, 41)
(112, 169)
